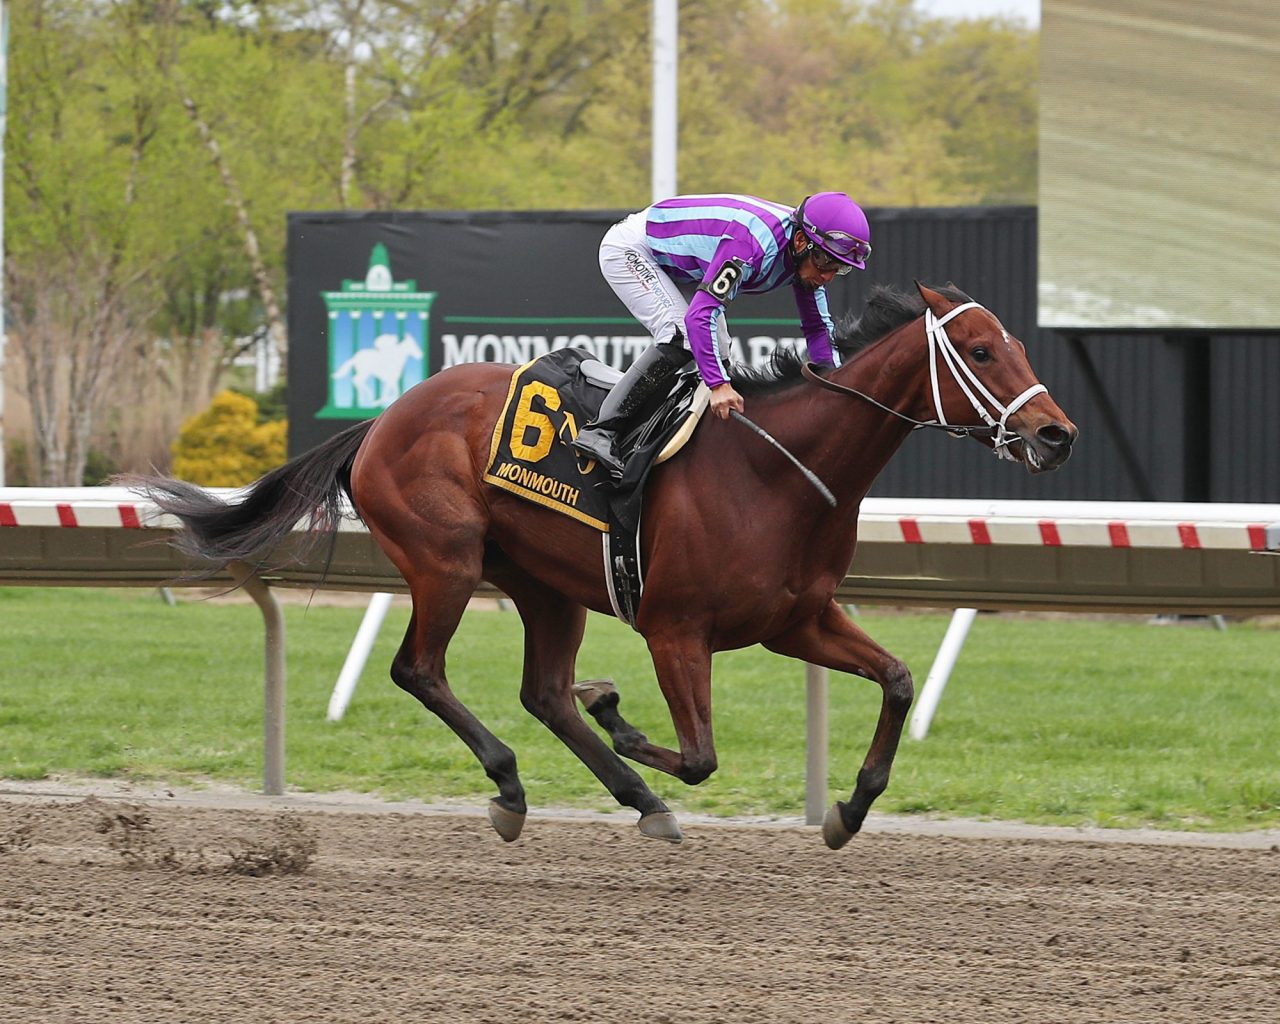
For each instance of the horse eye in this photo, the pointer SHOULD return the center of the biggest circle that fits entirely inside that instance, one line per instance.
(980, 355)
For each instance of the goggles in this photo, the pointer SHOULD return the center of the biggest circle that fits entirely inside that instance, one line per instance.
(840, 244)
(824, 262)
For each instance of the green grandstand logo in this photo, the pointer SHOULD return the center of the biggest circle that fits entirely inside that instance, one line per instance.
(378, 334)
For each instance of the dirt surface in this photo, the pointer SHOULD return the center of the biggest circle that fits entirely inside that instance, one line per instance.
(122, 909)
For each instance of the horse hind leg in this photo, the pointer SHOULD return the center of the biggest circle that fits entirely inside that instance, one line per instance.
(553, 634)
(415, 486)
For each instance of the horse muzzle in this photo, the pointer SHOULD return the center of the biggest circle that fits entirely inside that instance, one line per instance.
(1045, 445)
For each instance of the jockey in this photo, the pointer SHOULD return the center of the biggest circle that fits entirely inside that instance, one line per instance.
(712, 247)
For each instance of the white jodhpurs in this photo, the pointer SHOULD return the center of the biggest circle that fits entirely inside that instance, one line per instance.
(644, 287)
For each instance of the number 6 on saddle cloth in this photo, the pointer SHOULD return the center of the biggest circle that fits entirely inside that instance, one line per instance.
(550, 399)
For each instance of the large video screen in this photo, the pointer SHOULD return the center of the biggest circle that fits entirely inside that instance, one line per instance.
(1160, 164)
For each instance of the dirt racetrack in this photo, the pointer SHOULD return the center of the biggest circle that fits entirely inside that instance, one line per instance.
(123, 910)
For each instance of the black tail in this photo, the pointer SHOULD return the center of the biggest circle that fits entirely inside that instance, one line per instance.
(310, 486)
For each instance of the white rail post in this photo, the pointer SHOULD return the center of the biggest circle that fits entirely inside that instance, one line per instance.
(358, 655)
(945, 661)
(815, 757)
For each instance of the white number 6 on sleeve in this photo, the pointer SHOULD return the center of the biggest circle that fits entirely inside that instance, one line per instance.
(725, 283)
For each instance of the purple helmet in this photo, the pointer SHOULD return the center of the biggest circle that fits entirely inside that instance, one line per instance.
(837, 226)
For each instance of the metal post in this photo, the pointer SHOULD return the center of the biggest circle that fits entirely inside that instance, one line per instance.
(665, 118)
(815, 758)
(274, 681)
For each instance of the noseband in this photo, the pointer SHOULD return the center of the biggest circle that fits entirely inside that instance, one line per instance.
(941, 350)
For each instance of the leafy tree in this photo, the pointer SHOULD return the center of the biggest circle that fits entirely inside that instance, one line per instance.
(876, 99)
(980, 88)
(155, 146)
(80, 246)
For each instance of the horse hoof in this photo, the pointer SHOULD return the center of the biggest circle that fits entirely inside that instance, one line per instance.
(506, 823)
(661, 825)
(834, 831)
(591, 690)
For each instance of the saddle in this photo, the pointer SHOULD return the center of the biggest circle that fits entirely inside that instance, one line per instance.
(530, 455)
(672, 418)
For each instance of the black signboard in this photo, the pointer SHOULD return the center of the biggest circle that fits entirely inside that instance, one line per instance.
(379, 301)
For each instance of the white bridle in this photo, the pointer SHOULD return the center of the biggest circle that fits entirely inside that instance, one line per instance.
(941, 349)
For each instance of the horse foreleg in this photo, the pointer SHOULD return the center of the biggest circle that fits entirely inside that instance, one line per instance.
(600, 700)
(553, 628)
(683, 666)
(831, 640)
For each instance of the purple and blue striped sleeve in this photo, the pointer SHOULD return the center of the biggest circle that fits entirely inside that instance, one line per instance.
(699, 319)
(815, 321)
(699, 328)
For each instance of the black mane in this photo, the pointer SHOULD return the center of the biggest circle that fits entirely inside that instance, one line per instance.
(887, 309)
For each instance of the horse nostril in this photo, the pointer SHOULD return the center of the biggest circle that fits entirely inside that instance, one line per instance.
(1054, 436)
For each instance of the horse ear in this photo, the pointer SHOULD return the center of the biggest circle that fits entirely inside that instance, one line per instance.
(936, 302)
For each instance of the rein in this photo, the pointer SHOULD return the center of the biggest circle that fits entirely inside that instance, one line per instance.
(942, 349)
(809, 474)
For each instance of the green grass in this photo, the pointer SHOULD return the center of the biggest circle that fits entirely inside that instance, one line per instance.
(1067, 721)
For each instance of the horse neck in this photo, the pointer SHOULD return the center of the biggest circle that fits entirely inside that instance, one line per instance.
(846, 440)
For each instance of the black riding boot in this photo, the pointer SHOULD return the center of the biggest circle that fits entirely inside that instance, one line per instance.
(654, 368)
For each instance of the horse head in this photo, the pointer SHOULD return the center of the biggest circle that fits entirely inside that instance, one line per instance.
(410, 346)
(981, 383)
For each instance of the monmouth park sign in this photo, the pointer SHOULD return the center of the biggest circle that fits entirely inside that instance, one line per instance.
(379, 334)
(616, 350)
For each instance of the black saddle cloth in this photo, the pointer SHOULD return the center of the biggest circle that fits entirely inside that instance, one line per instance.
(550, 400)
(638, 446)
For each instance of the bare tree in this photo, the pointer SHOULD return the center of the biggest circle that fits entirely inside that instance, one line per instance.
(72, 306)
(70, 327)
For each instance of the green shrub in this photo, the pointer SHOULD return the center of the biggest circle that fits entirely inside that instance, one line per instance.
(99, 467)
(226, 446)
(17, 463)
(271, 404)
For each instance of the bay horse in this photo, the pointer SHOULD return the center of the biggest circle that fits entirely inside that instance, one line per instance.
(737, 547)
